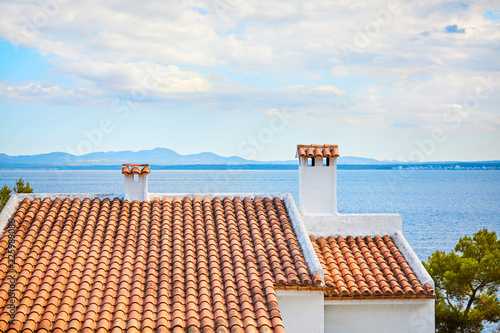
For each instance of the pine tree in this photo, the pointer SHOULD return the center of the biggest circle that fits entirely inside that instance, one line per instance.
(4, 196)
(467, 283)
(19, 188)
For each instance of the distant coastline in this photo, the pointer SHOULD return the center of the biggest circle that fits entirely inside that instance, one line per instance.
(488, 165)
(167, 159)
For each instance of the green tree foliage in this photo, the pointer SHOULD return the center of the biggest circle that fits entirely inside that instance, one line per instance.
(467, 282)
(4, 196)
(19, 188)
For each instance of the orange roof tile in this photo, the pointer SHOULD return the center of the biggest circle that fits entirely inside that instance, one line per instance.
(135, 169)
(317, 151)
(366, 267)
(171, 265)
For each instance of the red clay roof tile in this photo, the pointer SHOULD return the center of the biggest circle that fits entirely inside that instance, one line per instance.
(182, 264)
(135, 169)
(365, 267)
(317, 151)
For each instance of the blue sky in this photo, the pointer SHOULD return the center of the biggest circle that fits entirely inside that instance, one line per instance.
(405, 80)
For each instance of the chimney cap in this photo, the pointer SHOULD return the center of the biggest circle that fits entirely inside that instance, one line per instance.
(317, 151)
(135, 169)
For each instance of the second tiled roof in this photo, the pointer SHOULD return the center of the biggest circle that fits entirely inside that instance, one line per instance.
(366, 267)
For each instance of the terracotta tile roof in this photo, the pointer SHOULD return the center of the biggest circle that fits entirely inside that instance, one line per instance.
(135, 169)
(158, 266)
(367, 268)
(318, 151)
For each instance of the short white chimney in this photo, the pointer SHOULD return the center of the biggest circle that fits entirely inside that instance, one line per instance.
(318, 178)
(136, 181)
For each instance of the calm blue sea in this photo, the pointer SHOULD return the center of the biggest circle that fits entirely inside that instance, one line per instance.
(438, 206)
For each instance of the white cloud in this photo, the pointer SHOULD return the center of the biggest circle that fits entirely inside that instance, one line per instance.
(273, 112)
(373, 60)
(340, 71)
(48, 94)
(332, 89)
(143, 75)
(248, 35)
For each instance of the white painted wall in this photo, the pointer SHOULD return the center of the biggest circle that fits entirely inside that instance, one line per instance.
(136, 190)
(307, 311)
(318, 186)
(8, 211)
(387, 316)
(352, 224)
(302, 311)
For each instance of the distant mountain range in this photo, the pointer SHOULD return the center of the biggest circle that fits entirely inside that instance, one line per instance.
(157, 156)
(164, 158)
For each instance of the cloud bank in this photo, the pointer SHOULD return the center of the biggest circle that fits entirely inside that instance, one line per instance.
(376, 63)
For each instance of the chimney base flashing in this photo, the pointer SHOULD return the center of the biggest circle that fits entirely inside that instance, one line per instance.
(344, 225)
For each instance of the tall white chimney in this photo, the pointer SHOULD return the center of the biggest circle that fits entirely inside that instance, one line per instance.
(318, 178)
(136, 181)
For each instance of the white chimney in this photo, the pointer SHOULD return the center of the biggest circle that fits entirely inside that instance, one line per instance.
(136, 181)
(318, 178)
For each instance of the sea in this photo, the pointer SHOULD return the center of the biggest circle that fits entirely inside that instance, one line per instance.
(438, 206)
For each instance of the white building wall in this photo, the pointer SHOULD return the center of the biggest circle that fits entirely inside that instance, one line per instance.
(384, 316)
(136, 190)
(302, 311)
(352, 224)
(8, 211)
(318, 187)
